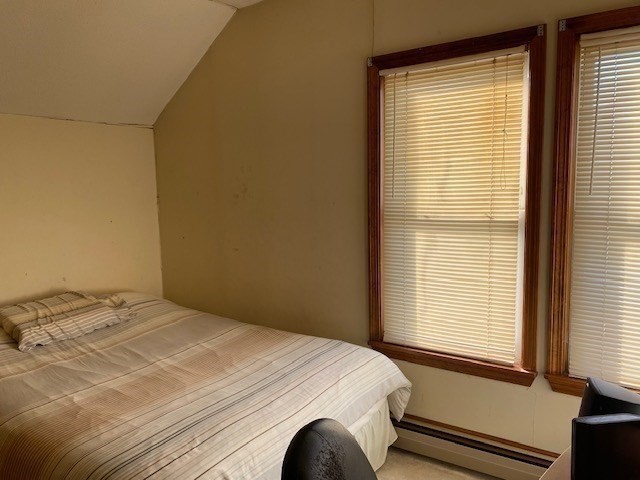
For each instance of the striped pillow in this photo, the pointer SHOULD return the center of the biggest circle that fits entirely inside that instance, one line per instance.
(13, 315)
(53, 309)
(63, 326)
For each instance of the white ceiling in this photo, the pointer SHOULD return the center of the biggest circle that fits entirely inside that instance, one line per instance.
(111, 61)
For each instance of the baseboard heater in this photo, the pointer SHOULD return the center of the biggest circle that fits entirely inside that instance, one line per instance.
(470, 453)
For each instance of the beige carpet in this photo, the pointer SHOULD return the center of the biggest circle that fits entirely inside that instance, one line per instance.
(401, 465)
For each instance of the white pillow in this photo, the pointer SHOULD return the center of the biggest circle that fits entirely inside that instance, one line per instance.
(75, 323)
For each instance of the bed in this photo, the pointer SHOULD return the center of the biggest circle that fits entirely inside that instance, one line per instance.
(179, 394)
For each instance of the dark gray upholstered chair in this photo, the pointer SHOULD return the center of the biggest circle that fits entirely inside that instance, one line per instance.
(325, 450)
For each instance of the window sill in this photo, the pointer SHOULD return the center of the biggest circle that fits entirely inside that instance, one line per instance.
(502, 373)
(566, 384)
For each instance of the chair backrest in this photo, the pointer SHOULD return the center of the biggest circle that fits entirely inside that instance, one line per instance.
(325, 450)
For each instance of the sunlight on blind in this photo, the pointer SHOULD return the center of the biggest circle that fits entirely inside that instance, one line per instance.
(453, 206)
(604, 327)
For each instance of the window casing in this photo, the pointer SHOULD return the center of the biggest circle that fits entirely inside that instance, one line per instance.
(453, 203)
(595, 260)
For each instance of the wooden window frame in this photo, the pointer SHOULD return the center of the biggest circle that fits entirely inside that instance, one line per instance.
(569, 31)
(534, 39)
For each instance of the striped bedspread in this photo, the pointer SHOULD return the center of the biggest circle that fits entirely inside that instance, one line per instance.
(178, 394)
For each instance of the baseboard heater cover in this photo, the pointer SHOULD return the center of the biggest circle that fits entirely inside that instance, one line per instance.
(469, 453)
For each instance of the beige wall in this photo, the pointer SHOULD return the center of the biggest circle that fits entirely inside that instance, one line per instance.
(262, 181)
(77, 208)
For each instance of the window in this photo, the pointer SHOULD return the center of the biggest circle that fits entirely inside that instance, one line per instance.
(595, 304)
(454, 174)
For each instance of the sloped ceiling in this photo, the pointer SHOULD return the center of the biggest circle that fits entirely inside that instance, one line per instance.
(109, 61)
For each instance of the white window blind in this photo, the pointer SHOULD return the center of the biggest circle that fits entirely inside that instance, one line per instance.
(604, 325)
(453, 205)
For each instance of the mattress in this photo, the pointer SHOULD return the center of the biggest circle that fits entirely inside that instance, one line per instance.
(177, 393)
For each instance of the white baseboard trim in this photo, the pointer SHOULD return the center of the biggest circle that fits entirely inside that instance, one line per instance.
(467, 457)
